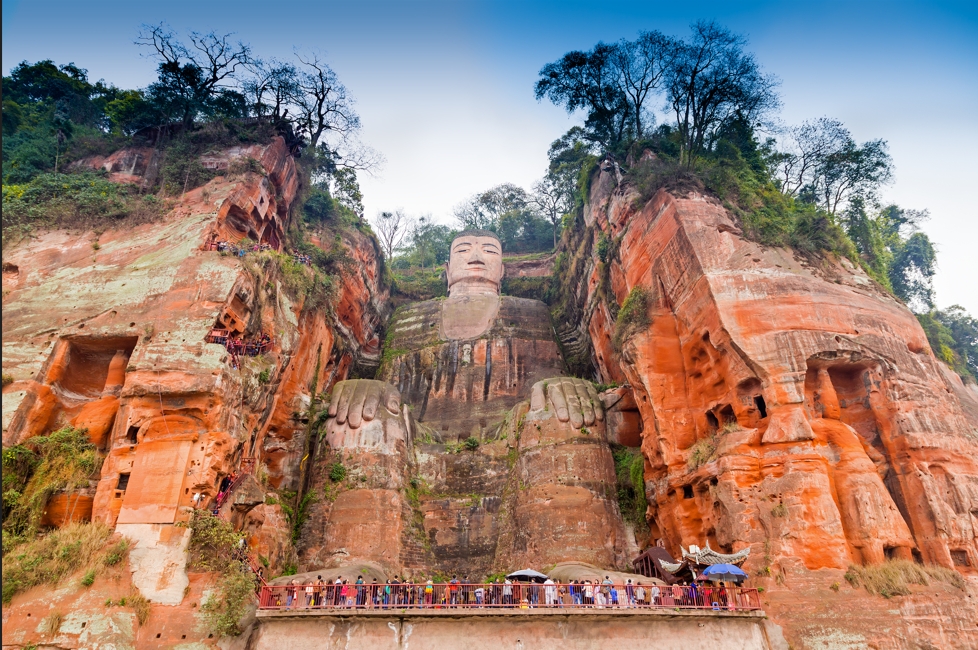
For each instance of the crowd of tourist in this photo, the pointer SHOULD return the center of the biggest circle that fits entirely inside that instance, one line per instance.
(341, 593)
(238, 346)
(242, 249)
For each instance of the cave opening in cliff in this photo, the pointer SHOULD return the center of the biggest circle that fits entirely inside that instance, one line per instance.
(712, 422)
(687, 491)
(959, 557)
(727, 415)
(761, 406)
(85, 365)
(131, 434)
(123, 482)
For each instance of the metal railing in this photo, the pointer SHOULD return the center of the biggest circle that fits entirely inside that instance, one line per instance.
(511, 596)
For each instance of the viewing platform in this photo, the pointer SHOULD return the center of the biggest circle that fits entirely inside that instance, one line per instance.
(681, 616)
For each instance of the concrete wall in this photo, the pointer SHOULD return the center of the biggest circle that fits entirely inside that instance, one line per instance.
(535, 629)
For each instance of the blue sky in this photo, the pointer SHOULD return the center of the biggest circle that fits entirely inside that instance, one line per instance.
(444, 89)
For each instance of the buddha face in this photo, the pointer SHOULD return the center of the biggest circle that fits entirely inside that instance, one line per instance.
(475, 265)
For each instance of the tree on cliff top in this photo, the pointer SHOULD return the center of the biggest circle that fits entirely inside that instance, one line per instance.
(196, 80)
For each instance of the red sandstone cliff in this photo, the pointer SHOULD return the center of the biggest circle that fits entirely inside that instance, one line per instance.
(787, 404)
(115, 339)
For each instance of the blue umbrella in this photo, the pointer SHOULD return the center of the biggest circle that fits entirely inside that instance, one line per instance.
(727, 572)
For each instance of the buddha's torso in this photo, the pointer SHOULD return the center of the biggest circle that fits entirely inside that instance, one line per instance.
(462, 363)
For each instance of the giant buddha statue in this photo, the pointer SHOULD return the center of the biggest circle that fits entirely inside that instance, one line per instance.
(483, 366)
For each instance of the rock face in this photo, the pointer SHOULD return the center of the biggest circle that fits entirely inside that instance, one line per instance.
(780, 403)
(787, 405)
(115, 339)
(784, 404)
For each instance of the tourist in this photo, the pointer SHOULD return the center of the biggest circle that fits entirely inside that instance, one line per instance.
(335, 592)
(656, 595)
(588, 594)
(479, 595)
(639, 595)
(309, 591)
(549, 593)
(613, 596)
(629, 593)
(360, 592)
(575, 592)
(453, 591)
(429, 592)
(375, 594)
(290, 594)
(508, 592)
(693, 594)
(317, 594)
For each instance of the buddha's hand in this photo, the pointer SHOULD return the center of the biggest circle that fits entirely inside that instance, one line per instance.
(358, 400)
(573, 400)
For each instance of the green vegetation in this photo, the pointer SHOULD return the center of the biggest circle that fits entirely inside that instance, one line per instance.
(416, 283)
(83, 200)
(216, 546)
(297, 513)
(894, 577)
(471, 443)
(630, 474)
(64, 460)
(51, 558)
(812, 188)
(633, 316)
(703, 451)
(337, 472)
(953, 335)
(539, 288)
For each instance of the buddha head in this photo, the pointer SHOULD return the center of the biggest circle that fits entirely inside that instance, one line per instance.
(475, 264)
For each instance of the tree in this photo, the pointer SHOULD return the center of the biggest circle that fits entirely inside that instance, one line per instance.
(324, 106)
(586, 81)
(275, 82)
(346, 189)
(430, 242)
(851, 170)
(392, 228)
(640, 67)
(953, 336)
(820, 162)
(483, 211)
(712, 82)
(554, 197)
(195, 80)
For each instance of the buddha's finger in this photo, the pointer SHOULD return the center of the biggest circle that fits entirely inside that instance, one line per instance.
(334, 402)
(537, 398)
(596, 402)
(344, 408)
(556, 393)
(355, 416)
(587, 406)
(372, 401)
(392, 399)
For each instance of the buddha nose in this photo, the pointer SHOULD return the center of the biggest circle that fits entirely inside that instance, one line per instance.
(477, 255)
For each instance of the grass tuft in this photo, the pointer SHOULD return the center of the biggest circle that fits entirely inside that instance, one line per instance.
(51, 558)
(894, 577)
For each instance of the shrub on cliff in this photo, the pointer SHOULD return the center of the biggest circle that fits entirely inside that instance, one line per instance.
(216, 547)
(633, 316)
(630, 474)
(83, 201)
(32, 472)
